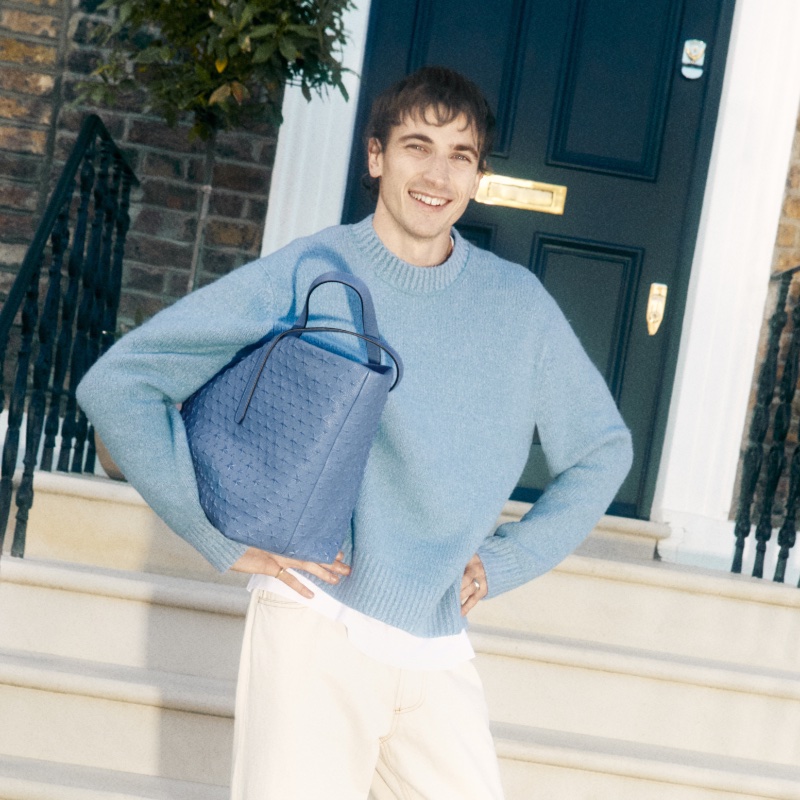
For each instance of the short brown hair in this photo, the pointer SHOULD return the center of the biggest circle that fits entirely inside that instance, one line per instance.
(439, 92)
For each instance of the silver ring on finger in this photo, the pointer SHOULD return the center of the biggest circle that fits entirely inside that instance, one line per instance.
(477, 584)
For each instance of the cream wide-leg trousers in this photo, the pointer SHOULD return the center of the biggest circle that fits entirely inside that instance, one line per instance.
(316, 719)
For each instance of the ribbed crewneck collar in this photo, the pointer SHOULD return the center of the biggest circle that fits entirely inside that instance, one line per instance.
(401, 274)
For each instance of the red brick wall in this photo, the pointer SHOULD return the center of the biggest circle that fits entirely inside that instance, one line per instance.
(29, 59)
(45, 48)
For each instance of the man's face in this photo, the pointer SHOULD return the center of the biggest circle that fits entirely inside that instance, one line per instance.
(428, 173)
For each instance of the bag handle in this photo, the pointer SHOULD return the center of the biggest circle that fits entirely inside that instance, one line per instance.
(244, 403)
(369, 322)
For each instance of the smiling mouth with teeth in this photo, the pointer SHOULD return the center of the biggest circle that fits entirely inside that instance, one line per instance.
(428, 200)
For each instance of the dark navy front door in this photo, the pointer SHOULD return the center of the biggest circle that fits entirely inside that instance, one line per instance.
(593, 96)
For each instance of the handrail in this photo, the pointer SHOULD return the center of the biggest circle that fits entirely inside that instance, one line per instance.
(92, 126)
(74, 326)
(765, 457)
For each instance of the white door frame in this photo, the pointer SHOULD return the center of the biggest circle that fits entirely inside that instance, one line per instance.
(728, 284)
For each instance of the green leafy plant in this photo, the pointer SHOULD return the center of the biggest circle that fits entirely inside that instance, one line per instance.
(225, 62)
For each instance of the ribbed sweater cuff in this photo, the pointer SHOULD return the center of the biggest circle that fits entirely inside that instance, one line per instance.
(501, 561)
(219, 551)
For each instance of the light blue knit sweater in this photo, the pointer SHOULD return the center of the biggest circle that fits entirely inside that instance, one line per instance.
(487, 355)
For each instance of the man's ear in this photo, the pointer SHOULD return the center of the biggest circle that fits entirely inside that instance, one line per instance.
(375, 158)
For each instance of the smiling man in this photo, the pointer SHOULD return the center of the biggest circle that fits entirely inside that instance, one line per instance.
(356, 677)
(429, 169)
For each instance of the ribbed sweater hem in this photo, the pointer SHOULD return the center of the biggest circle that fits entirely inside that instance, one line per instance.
(374, 589)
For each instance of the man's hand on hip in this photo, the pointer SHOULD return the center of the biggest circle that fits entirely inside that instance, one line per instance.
(260, 562)
(473, 585)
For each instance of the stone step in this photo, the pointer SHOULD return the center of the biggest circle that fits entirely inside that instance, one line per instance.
(656, 606)
(33, 779)
(153, 620)
(612, 537)
(121, 663)
(150, 621)
(677, 610)
(96, 521)
(557, 683)
(640, 696)
(553, 765)
(117, 718)
(534, 763)
(625, 597)
(92, 520)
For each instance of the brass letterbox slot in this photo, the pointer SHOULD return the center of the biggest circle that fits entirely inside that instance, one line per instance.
(500, 190)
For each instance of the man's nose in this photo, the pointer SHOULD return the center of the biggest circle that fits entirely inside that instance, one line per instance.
(437, 169)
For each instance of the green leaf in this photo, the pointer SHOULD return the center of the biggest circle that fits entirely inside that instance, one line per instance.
(152, 55)
(247, 16)
(222, 19)
(125, 11)
(288, 49)
(264, 52)
(306, 31)
(260, 31)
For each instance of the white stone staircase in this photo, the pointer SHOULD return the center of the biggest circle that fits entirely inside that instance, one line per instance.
(616, 676)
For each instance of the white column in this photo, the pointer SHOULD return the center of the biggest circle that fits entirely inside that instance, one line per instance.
(729, 281)
(313, 155)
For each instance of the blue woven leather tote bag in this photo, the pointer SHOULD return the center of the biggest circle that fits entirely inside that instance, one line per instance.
(280, 437)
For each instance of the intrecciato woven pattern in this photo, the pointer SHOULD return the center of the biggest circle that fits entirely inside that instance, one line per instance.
(287, 478)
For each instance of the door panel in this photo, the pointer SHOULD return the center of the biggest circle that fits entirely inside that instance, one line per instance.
(488, 37)
(619, 65)
(589, 95)
(594, 284)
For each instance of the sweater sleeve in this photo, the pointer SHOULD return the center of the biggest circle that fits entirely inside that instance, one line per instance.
(131, 396)
(588, 451)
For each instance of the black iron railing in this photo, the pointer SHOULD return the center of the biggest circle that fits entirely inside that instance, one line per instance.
(60, 315)
(761, 476)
